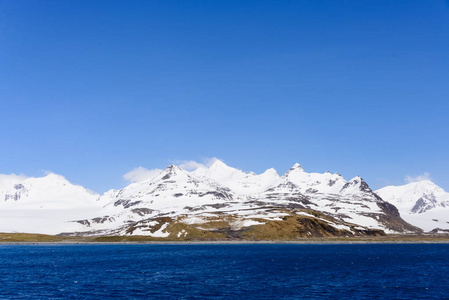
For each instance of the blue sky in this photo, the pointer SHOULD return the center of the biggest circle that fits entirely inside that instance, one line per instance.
(93, 89)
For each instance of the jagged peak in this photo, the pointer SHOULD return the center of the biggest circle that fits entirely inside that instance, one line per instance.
(175, 168)
(170, 171)
(356, 179)
(296, 167)
(358, 183)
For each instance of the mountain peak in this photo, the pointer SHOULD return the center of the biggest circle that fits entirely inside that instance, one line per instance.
(356, 184)
(357, 180)
(219, 171)
(271, 171)
(54, 176)
(218, 164)
(296, 169)
(170, 171)
(296, 166)
(415, 188)
(173, 168)
(418, 198)
(425, 184)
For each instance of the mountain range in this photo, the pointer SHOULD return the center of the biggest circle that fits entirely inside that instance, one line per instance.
(221, 202)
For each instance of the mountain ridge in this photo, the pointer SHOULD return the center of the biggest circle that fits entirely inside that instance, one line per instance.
(349, 206)
(221, 202)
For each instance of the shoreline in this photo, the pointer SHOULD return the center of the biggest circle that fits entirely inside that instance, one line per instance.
(221, 243)
(141, 240)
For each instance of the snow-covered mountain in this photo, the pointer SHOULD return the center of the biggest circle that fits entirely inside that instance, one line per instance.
(350, 201)
(223, 200)
(173, 192)
(43, 205)
(208, 203)
(423, 203)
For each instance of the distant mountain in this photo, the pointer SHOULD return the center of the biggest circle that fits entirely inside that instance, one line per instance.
(215, 202)
(43, 205)
(423, 203)
(223, 202)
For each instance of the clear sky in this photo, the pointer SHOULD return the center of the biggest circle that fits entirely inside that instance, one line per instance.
(94, 89)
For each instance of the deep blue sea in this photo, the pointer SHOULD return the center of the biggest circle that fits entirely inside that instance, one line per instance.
(248, 271)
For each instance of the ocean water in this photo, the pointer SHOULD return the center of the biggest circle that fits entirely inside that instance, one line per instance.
(248, 271)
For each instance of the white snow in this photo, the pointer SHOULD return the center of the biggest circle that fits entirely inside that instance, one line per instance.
(49, 204)
(430, 201)
(44, 204)
(161, 232)
(238, 181)
(405, 196)
(239, 224)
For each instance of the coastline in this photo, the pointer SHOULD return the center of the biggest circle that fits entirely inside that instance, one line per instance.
(38, 239)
